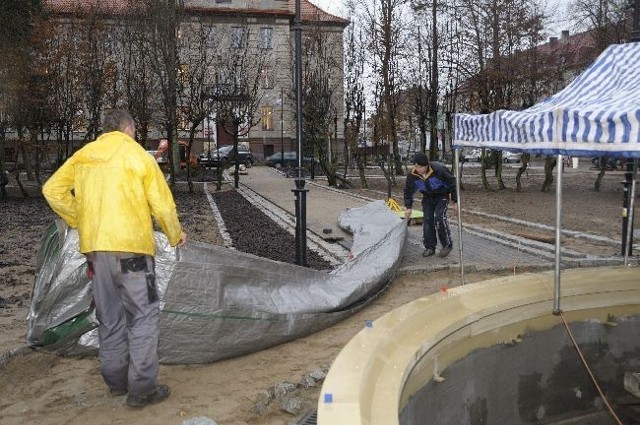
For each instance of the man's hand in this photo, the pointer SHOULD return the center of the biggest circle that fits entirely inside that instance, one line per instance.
(183, 240)
(454, 208)
(407, 213)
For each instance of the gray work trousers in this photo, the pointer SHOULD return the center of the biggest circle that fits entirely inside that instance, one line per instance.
(127, 308)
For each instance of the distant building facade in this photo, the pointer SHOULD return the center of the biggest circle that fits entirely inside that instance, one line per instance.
(270, 24)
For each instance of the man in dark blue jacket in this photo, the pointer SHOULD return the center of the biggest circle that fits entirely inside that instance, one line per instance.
(438, 188)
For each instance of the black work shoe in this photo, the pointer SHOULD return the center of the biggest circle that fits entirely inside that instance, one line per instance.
(159, 393)
(428, 252)
(445, 251)
(117, 392)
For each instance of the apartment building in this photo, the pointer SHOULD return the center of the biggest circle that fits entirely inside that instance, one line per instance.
(266, 27)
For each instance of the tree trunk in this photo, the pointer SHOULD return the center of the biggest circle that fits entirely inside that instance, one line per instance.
(525, 162)
(3, 176)
(26, 157)
(602, 164)
(192, 132)
(499, 178)
(549, 164)
(483, 169)
(360, 158)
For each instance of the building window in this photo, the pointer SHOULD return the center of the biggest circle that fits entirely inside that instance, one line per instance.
(267, 118)
(212, 38)
(266, 78)
(238, 37)
(266, 38)
(223, 84)
(183, 73)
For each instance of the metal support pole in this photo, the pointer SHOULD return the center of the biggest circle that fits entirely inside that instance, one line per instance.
(628, 185)
(558, 259)
(456, 154)
(628, 241)
(300, 191)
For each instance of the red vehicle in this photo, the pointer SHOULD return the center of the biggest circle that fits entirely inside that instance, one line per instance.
(161, 154)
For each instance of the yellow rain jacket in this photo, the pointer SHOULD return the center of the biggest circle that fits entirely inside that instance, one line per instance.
(117, 186)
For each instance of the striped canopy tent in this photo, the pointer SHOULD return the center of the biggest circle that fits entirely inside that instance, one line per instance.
(598, 114)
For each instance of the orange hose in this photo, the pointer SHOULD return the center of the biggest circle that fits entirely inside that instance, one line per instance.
(593, 378)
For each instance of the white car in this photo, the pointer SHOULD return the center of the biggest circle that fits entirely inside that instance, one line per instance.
(159, 158)
(508, 157)
(473, 156)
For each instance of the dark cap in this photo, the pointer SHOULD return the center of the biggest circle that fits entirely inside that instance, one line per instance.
(420, 159)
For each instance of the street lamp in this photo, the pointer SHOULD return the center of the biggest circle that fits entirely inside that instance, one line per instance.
(281, 125)
(300, 191)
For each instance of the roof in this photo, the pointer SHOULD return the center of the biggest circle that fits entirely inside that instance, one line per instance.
(97, 6)
(309, 11)
(578, 49)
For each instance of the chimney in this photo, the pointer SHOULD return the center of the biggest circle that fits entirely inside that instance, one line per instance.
(552, 40)
(565, 34)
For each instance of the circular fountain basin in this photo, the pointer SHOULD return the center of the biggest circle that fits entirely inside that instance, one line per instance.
(492, 353)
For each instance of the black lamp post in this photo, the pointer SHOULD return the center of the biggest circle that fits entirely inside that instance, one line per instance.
(629, 175)
(300, 191)
(281, 125)
(208, 143)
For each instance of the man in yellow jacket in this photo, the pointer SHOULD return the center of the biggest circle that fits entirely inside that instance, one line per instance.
(110, 190)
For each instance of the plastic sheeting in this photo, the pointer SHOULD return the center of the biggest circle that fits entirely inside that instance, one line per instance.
(216, 302)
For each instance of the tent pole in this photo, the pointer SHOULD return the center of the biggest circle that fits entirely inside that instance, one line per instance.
(629, 241)
(556, 292)
(456, 155)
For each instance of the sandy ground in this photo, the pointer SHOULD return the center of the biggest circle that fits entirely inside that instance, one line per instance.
(40, 388)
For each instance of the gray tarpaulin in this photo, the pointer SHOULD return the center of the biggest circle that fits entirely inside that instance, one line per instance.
(217, 302)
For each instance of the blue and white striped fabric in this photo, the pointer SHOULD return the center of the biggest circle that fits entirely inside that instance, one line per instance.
(597, 114)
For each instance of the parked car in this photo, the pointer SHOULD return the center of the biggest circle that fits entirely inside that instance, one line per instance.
(474, 155)
(508, 157)
(288, 160)
(609, 162)
(226, 156)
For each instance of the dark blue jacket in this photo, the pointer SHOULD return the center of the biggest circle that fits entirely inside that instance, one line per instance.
(437, 181)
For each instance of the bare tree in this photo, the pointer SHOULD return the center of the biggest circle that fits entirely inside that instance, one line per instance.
(138, 83)
(428, 97)
(165, 19)
(608, 21)
(318, 86)
(61, 61)
(95, 45)
(195, 79)
(237, 92)
(355, 100)
(498, 33)
(17, 23)
(384, 21)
